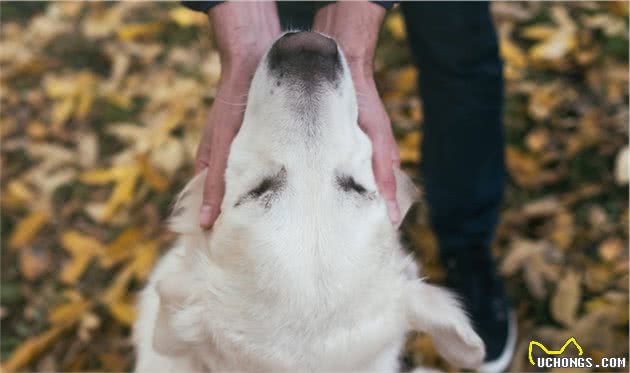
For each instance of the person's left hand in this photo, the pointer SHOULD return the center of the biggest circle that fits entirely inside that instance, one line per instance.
(374, 121)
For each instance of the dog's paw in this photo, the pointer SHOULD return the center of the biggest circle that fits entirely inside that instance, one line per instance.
(461, 346)
(437, 312)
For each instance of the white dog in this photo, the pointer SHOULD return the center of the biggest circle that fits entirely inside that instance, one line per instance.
(303, 270)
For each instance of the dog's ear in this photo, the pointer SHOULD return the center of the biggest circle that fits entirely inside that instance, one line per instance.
(406, 193)
(436, 311)
(184, 218)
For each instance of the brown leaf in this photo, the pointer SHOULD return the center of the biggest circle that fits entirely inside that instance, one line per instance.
(33, 263)
(566, 299)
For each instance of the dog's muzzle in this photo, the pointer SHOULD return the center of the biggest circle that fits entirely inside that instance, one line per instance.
(307, 56)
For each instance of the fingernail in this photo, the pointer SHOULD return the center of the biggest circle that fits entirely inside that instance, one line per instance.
(394, 211)
(205, 214)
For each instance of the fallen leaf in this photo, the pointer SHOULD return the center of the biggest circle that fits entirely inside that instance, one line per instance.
(566, 299)
(33, 263)
(82, 249)
(611, 249)
(27, 228)
(31, 348)
(621, 167)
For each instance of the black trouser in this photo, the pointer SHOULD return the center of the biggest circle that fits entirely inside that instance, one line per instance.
(461, 84)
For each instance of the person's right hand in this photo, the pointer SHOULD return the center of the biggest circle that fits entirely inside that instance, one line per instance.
(243, 32)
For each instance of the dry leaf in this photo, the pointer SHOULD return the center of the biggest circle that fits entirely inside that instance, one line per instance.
(621, 167)
(68, 313)
(33, 263)
(611, 249)
(566, 299)
(82, 249)
(30, 348)
(27, 228)
(409, 147)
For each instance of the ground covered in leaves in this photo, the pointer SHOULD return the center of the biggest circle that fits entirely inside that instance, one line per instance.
(102, 105)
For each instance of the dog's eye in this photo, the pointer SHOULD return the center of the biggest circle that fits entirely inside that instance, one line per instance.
(268, 187)
(263, 187)
(348, 184)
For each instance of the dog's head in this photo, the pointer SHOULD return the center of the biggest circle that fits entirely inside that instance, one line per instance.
(300, 163)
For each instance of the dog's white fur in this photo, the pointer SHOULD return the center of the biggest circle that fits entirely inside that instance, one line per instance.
(310, 278)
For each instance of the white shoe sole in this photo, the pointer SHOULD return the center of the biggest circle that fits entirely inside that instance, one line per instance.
(501, 363)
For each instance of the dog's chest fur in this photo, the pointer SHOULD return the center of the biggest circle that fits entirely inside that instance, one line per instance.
(297, 309)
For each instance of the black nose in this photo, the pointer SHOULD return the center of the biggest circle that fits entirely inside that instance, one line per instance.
(305, 53)
(308, 42)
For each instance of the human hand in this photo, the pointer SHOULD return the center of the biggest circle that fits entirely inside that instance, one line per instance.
(374, 121)
(355, 26)
(243, 31)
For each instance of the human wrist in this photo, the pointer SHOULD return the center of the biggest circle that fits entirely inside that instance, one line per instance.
(242, 33)
(355, 26)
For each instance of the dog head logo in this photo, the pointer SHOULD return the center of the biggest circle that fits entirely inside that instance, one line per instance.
(553, 352)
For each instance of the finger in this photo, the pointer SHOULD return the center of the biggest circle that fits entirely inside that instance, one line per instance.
(213, 191)
(386, 181)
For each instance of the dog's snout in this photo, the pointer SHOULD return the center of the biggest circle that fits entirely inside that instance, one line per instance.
(310, 42)
(306, 54)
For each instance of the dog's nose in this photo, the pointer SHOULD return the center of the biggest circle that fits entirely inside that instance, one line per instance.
(306, 52)
(310, 42)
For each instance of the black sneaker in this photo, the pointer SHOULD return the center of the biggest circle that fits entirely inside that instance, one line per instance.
(472, 275)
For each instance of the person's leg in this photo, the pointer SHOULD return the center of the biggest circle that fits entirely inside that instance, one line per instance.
(463, 169)
(296, 15)
(461, 85)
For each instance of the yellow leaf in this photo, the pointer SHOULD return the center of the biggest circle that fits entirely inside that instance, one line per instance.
(185, 17)
(75, 243)
(145, 256)
(155, 180)
(68, 313)
(74, 269)
(559, 43)
(511, 53)
(537, 32)
(137, 30)
(85, 95)
(125, 312)
(118, 288)
(16, 195)
(30, 348)
(27, 228)
(119, 249)
(396, 26)
(62, 111)
(82, 249)
(122, 194)
(543, 101)
(405, 79)
(105, 176)
(409, 147)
